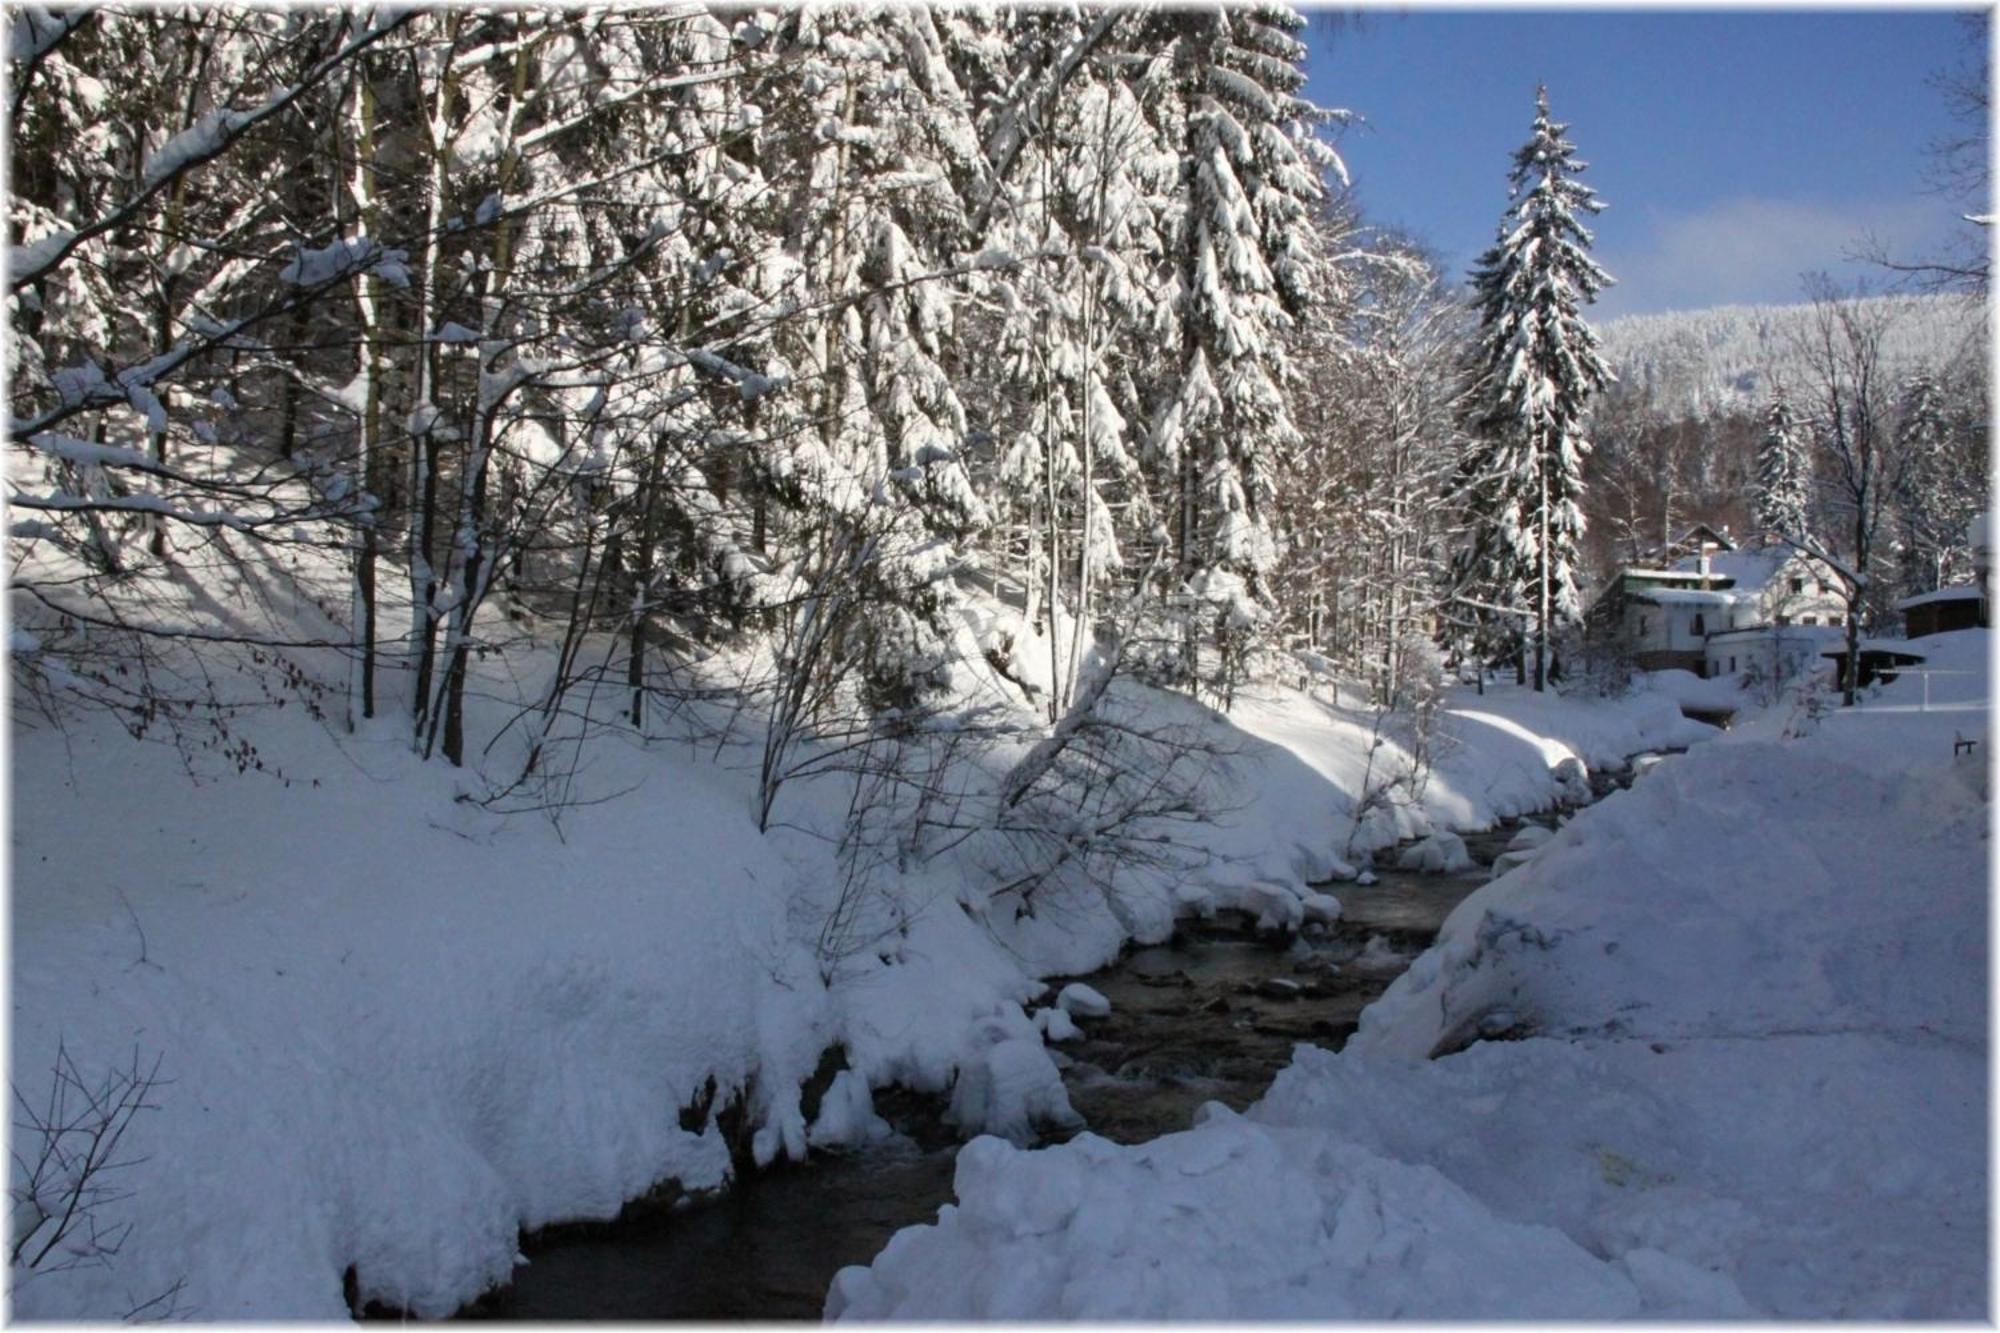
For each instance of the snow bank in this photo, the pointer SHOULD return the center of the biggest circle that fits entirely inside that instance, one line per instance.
(1228, 1222)
(398, 1030)
(394, 1037)
(1749, 899)
(1754, 1084)
(1303, 805)
(1687, 689)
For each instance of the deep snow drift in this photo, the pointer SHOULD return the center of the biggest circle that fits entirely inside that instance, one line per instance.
(1736, 1065)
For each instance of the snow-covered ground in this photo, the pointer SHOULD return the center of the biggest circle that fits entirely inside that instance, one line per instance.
(395, 1028)
(1736, 1064)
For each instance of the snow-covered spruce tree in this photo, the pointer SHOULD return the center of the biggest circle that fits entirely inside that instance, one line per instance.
(1065, 285)
(1784, 473)
(1944, 482)
(864, 150)
(1539, 366)
(1222, 89)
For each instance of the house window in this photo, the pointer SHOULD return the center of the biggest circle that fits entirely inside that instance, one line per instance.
(1784, 620)
(1698, 627)
(1798, 585)
(1642, 627)
(1809, 620)
(1732, 664)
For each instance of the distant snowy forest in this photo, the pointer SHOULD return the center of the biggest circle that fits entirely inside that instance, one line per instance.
(1679, 437)
(1731, 359)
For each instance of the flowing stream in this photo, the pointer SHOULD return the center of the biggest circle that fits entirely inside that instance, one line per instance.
(1212, 1015)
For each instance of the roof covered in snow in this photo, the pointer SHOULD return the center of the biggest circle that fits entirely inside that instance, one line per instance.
(1638, 572)
(1684, 596)
(1893, 647)
(1749, 569)
(1963, 592)
(1764, 633)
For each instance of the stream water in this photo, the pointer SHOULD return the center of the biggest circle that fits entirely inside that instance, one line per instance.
(1212, 1015)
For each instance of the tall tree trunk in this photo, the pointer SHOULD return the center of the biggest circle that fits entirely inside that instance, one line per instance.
(361, 685)
(1052, 510)
(424, 445)
(471, 543)
(1857, 591)
(1542, 580)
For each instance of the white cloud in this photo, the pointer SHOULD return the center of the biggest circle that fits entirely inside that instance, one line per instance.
(1750, 249)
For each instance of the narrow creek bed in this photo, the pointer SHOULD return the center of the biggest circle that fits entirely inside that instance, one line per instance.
(1212, 1015)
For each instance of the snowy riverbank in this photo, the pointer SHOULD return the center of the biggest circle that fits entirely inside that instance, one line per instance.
(1743, 1073)
(397, 1029)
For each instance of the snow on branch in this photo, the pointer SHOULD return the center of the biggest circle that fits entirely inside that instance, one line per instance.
(346, 258)
(204, 141)
(33, 34)
(748, 382)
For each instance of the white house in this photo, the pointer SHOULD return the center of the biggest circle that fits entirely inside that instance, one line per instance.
(1773, 585)
(1672, 617)
(1775, 653)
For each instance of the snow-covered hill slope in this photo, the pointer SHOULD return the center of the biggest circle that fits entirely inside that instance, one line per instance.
(1727, 359)
(1744, 1073)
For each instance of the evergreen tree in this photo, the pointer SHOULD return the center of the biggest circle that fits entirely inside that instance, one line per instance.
(1538, 366)
(1229, 105)
(1943, 484)
(1784, 473)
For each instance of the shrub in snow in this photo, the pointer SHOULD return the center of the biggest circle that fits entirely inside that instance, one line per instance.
(68, 1148)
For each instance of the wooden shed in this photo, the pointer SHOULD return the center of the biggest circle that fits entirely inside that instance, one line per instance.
(1879, 659)
(1960, 607)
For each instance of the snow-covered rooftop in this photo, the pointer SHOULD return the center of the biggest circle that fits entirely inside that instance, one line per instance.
(1749, 569)
(1637, 573)
(1685, 596)
(1963, 592)
(1899, 647)
(1764, 633)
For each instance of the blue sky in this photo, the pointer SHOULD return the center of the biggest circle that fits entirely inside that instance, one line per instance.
(1735, 149)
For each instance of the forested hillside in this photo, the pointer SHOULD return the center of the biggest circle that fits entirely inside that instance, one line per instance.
(1679, 435)
(1729, 360)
